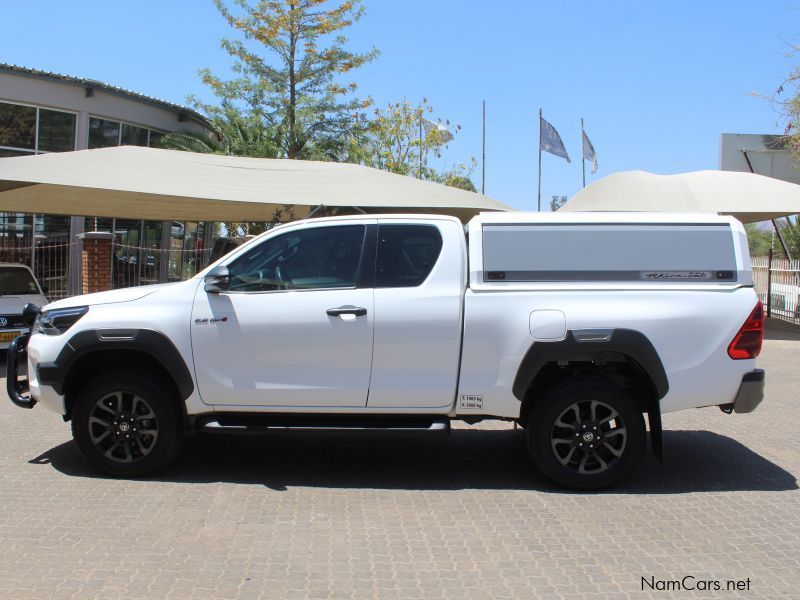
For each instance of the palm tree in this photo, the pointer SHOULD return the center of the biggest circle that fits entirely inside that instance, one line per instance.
(237, 135)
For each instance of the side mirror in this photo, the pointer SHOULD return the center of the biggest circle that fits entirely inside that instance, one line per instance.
(29, 313)
(217, 280)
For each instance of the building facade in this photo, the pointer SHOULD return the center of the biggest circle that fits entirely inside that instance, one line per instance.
(47, 112)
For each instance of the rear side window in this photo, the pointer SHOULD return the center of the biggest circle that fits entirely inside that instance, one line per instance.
(406, 254)
(608, 252)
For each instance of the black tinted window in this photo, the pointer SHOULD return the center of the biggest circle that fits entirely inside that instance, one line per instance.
(406, 254)
(322, 257)
(15, 281)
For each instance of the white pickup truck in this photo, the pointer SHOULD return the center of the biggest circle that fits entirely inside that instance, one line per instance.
(573, 325)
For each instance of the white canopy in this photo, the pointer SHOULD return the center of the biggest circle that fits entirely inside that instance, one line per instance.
(746, 196)
(146, 183)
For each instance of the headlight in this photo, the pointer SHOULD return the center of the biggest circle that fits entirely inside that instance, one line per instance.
(57, 321)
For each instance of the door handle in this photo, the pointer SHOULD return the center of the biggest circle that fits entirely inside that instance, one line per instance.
(346, 310)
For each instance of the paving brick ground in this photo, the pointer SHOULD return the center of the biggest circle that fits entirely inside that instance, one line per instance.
(407, 517)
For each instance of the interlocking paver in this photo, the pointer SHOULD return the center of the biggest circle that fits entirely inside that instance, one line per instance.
(407, 517)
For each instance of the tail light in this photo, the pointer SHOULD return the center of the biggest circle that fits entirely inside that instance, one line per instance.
(747, 343)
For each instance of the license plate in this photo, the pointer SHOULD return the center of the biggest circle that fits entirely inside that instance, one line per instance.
(7, 336)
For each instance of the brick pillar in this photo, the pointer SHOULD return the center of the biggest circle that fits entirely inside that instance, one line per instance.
(96, 261)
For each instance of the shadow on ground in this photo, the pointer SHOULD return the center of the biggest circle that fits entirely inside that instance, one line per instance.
(777, 329)
(696, 461)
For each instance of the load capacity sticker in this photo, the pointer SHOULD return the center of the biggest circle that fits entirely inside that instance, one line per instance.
(471, 402)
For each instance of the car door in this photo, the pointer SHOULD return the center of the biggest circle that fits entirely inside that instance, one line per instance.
(294, 327)
(420, 277)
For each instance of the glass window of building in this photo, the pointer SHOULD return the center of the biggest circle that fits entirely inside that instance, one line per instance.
(103, 133)
(134, 136)
(18, 130)
(17, 127)
(56, 131)
(155, 138)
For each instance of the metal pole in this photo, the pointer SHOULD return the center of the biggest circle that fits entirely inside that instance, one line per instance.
(769, 285)
(539, 197)
(483, 152)
(33, 244)
(419, 171)
(583, 157)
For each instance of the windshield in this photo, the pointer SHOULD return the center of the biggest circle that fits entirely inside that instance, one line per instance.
(15, 281)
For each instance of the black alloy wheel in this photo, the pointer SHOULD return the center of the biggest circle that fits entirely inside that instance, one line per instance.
(586, 434)
(126, 423)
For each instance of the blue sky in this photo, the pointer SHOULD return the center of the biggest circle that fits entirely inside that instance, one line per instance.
(655, 82)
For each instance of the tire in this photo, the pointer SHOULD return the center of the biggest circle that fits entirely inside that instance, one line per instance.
(126, 423)
(586, 434)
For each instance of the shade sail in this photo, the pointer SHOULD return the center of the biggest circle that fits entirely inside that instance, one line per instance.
(746, 196)
(146, 183)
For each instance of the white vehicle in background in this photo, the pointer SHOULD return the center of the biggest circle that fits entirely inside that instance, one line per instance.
(574, 325)
(18, 287)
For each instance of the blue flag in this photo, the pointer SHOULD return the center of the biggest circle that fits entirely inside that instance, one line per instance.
(550, 141)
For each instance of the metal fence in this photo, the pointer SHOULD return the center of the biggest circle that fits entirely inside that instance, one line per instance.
(47, 257)
(142, 265)
(777, 283)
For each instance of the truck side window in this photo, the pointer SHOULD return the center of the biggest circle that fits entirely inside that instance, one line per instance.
(314, 258)
(406, 254)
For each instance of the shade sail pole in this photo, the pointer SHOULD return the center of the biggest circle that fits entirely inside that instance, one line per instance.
(315, 211)
(774, 223)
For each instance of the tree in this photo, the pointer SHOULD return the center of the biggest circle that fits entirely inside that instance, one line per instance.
(236, 135)
(790, 229)
(396, 140)
(288, 67)
(557, 202)
(759, 240)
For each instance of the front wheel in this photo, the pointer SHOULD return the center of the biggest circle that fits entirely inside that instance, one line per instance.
(125, 423)
(586, 434)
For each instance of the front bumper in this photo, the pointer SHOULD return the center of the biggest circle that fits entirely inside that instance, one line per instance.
(16, 387)
(751, 392)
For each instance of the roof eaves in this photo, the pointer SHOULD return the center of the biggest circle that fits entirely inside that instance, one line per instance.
(111, 89)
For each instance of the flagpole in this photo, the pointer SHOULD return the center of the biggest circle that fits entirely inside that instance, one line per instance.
(419, 170)
(483, 152)
(583, 157)
(539, 197)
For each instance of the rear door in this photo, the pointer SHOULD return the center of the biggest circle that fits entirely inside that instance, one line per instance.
(420, 278)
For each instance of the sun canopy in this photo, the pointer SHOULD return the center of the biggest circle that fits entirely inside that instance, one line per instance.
(746, 196)
(130, 182)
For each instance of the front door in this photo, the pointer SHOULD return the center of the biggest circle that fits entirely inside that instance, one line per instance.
(294, 329)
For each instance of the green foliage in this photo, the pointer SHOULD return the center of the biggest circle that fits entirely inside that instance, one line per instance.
(395, 140)
(237, 135)
(288, 65)
(790, 229)
(557, 202)
(758, 239)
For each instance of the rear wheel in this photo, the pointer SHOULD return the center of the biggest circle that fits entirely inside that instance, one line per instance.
(125, 423)
(586, 434)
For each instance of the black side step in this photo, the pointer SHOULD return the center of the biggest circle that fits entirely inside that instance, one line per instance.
(330, 423)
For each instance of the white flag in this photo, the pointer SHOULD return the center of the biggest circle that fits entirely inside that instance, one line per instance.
(444, 134)
(550, 141)
(588, 152)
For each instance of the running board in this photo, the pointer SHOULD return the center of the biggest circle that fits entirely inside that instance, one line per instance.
(326, 424)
